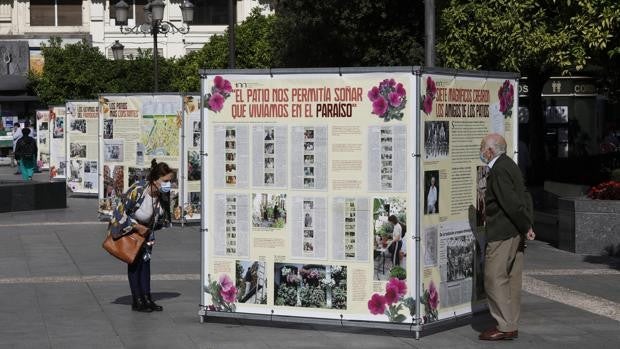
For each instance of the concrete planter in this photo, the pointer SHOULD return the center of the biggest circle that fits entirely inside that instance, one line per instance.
(588, 226)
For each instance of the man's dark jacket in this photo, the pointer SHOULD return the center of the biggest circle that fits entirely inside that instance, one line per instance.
(508, 204)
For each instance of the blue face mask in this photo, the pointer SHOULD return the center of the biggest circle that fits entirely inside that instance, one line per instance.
(165, 187)
(483, 159)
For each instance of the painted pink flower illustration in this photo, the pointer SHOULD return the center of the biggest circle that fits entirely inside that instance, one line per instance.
(506, 96)
(223, 293)
(392, 302)
(388, 100)
(220, 91)
(376, 304)
(430, 299)
(429, 96)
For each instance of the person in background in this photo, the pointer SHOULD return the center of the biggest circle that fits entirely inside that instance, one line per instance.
(26, 154)
(508, 222)
(397, 242)
(17, 134)
(34, 136)
(431, 198)
(143, 210)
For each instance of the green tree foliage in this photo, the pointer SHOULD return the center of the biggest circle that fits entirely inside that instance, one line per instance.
(75, 71)
(348, 33)
(536, 38)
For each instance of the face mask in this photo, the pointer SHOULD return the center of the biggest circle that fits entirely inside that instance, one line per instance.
(483, 159)
(165, 187)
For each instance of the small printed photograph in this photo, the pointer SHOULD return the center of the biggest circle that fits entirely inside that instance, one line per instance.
(308, 183)
(308, 159)
(113, 151)
(308, 233)
(88, 167)
(269, 162)
(386, 170)
(386, 131)
(75, 170)
(349, 220)
(309, 134)
(59, 127)
(231, 133)
(231, 168)
(140, 149)
(386, 148)
(269, 134)
(386, 163)
(308, 220)
(436, 139)
(113, 181)
(108, 128)
(196, 139)
(299, 285)
(386, 177)
(89, 185)
(251, 281)
(231, 214)
(230, 144)
(231, 180)
(309, 171)
(386, 185)
(308, 205)
(230, 156)
(309, 146)
(269, 179)
(431, 190)
(389, 227)
(430, 246)
(136, 175)
(193, 166)
(42, 137)
(43, 126)
(78, 125)
(77, 150)
(194, 201)
(231, 199)
(349, 233)
(308, 246)
(196, 126)
(231, 221)
(269, 148)
(386, 156)
(460, 255)
(350, 227)
(386, 140)
(268, 210)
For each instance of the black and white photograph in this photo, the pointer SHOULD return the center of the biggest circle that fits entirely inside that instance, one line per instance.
(251, 282)
(430, 246)
(78, 125)
(460, 257)
(308, 205)
(269, 148)
(113, 151)
(308, 233)
(231, 133)
(269, 162)
(230, 145)
(77, 150)
(231, 168)
(308, 220)
(89, 185)
(309, 134)
(90, 166)
(309, 146)
(308, 159)
(309, 171)
(431, 192)
(386, 156)
(269, 180)
(140, 149)
(75, 170)
(386, 148)
(269, 134)
(436, 139)
(108, 128)
(42, 137)
(230, 156)
(308, 246)
(308, 182)
(43, 126)
(196, 134)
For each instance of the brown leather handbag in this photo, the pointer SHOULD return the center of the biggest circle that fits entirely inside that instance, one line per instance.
(125, 248)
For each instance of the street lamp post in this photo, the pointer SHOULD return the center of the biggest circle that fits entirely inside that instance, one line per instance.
(155, 24)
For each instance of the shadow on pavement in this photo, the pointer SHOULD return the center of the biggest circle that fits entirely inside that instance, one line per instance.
(126, 300)
(612, 262)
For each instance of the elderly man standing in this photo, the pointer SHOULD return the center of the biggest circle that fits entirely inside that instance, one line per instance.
(509, 218)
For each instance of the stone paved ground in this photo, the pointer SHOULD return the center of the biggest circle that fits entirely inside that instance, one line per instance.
(59, 289)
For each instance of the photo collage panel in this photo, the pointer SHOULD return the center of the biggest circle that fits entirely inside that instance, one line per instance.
(231, 225)
(270, 147)
(387, 153)
(309, 178)
(349, 228)
(230, 146)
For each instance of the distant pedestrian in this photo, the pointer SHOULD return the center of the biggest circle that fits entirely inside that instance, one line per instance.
(17, 134)
(508, 220)
(143, 210)
(26, 154)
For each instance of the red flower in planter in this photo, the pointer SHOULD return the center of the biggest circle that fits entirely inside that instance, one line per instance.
(605, 191)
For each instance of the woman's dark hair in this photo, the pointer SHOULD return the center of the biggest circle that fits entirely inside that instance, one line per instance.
(393, 219)
(25, 131)
(158, 170)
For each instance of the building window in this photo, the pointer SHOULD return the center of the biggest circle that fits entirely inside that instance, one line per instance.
(136, 10)
(210, 12)
(55, 13)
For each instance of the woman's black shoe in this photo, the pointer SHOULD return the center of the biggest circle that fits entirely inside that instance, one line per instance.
(152, 305)
(140, 304)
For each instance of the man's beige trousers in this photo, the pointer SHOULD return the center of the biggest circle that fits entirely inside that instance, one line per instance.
(503, 267)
